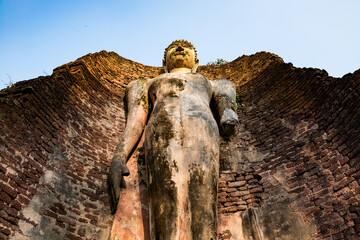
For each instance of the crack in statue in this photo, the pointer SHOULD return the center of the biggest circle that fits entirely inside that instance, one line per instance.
(181, 144)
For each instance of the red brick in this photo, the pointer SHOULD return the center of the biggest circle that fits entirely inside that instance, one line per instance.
(350, 171)
(239, 193)
(9, 190)
(222, 194)
(92, 217)
(4, 197)
(24, 200)
(227, 204)
(237, 184)
(3, 177)
(343, 183)
(6, 231)
(230, 209)
(221, 184)
(241, 207)
(16, 204)
(229, 190)
(81, 232)
(12, 211)
(353, 200)
(233, 199)
(72, 236)
(256, 190)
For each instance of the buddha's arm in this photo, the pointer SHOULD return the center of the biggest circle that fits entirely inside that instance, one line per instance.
(223, 103)
(136, 102)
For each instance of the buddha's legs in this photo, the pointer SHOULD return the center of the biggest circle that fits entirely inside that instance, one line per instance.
(202, 138)
(166, 193)
(183, 195)
(163, 202)
(203, 201)
(182, 155)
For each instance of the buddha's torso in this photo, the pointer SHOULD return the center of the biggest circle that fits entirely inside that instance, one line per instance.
(182, 152)
(181, 109)
(188, 91)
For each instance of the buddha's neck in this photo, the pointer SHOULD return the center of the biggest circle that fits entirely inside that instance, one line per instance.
(180, 70)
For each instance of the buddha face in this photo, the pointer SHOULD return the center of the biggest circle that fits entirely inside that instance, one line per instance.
(180, 57)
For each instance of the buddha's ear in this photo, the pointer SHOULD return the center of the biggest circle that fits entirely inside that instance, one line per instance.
(164, 66)
(194, 68)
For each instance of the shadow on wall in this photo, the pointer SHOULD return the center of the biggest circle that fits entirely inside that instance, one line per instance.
(275, 221)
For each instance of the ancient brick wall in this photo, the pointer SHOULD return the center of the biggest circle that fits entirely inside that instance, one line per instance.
(297, 153)
(292, 170)
(57, 136)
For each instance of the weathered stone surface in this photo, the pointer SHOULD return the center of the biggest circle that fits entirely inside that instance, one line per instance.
(276, 219)
(181, 144)
(183, 158)
(300, 133)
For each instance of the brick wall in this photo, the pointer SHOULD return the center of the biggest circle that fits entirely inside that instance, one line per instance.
(297, 151)
(298, 148)
(57, 136)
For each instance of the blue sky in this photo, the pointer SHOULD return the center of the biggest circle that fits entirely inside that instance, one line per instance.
(38, 35)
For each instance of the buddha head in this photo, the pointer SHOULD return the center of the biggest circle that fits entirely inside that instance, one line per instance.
(180, 55)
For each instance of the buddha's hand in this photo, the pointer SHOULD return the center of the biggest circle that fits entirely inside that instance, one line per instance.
(118, 170)
(229, 123)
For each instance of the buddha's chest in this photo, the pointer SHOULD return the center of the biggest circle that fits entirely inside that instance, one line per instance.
(179, 85)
